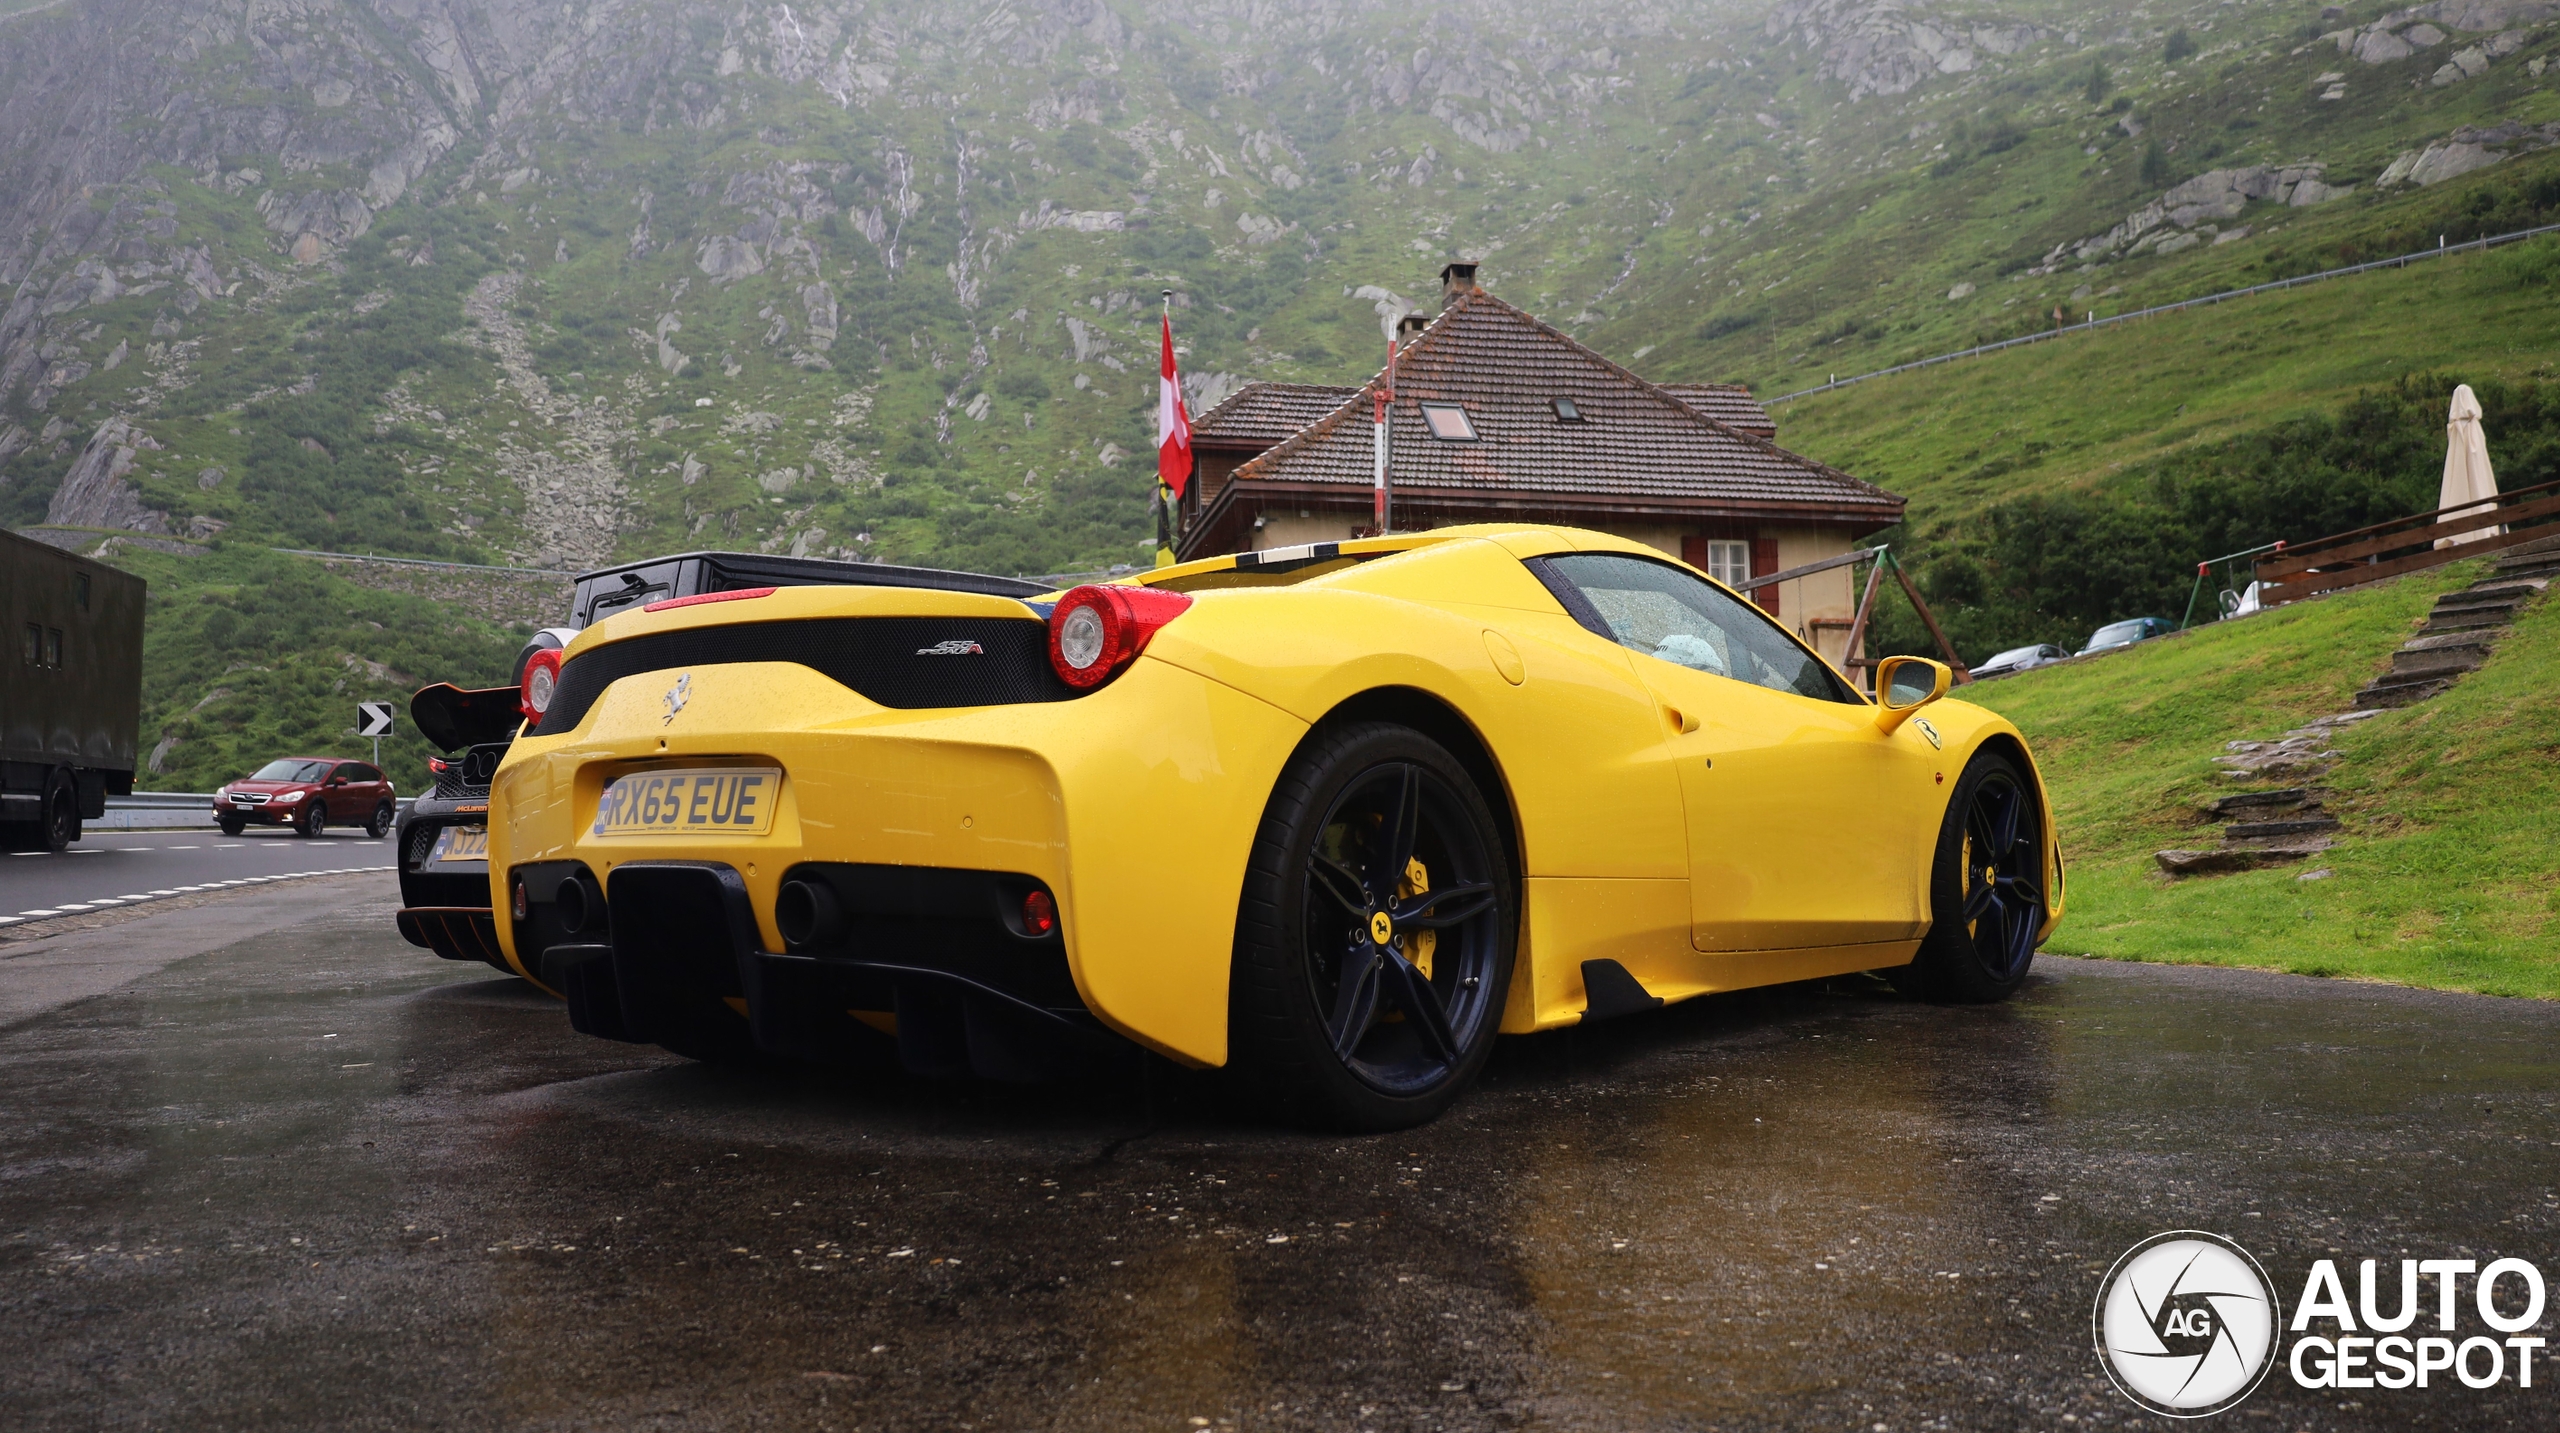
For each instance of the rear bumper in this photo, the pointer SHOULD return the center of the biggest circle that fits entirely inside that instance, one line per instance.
(454, 932)
(921, 971)
(1135, 807)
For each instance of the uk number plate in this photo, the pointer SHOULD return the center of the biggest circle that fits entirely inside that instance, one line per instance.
(458, 844)
(713, 801)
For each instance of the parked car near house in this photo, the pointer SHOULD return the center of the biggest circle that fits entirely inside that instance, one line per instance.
(2019, 659)
(309, 794)
(2128, 632)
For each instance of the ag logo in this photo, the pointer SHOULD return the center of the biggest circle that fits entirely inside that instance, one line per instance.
(2186, 1323)
(677, 696)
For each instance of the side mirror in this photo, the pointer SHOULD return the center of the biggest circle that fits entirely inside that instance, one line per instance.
(1906, 684)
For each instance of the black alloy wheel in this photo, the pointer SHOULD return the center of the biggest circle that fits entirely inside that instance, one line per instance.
(1374, 943)
(1986, 889)
(380, 825)
(61, 817)
(315, 817)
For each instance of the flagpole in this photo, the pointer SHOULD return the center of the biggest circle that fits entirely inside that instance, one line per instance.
(1168, 406)
(1381, 495)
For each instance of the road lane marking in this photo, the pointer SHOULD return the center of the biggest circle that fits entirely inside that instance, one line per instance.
(182, 848)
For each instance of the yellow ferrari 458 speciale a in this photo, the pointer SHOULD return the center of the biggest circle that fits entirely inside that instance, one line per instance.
(1331, 817)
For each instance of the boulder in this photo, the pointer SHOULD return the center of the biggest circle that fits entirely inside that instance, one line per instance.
(728, 258)
(95, 494)
(2381, 47)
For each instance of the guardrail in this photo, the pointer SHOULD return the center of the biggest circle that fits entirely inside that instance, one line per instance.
(2049, 334)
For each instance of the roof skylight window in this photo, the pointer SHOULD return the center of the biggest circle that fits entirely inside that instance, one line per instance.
(1448, 423)
(1566, 412)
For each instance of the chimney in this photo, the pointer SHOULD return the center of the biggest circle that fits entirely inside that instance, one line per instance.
(1455, 279)
(1410, 327)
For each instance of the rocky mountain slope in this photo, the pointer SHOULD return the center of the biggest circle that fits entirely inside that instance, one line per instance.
(544, 284)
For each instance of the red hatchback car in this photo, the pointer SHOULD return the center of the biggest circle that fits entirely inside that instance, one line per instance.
(309, 794)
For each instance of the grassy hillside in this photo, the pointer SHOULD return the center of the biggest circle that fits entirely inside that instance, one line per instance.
(2443, 875)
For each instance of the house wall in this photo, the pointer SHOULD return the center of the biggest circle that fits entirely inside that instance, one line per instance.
(1287, 529)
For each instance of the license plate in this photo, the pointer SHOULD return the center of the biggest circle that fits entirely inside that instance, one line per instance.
(714, 801)
(458, 844)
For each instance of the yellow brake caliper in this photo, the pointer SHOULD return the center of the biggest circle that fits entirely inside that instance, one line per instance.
(1416, 946)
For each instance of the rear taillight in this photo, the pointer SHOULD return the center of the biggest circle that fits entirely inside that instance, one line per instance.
(1094, 632)
(541, 679)
(437, 765)
(1039, 914)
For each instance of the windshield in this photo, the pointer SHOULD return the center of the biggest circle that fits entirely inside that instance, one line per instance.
(289, 769)
(2014, 654)
(2117, 632)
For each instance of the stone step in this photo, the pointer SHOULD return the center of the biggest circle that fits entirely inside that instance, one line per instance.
(2525, 552)
(2450, 662)
(2541, 565)
(2398, 691)
(2312, 824)
(2491, 619)
(2208, 863)
(2466, 601)
(2263, 803)
(2499, 589)
(2479, 639)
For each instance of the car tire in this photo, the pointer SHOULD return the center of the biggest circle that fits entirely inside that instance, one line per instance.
(61, 817)
(380, 825)
(1986, 889)
(1418, 1020)
(315, 818)
(231, 825)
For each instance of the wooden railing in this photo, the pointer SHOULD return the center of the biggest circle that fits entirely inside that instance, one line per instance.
(2408, 544)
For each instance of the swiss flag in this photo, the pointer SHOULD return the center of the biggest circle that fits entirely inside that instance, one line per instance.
(1173, 422)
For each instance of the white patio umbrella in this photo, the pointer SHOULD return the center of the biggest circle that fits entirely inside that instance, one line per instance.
(2467, 478)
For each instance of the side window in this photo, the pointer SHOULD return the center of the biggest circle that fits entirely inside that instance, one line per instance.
(31, 651)
(53, 646)
(362, 772)
(1664, 612)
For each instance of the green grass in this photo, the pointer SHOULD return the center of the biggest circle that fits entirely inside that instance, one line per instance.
(1957, 438)
(2443, 876)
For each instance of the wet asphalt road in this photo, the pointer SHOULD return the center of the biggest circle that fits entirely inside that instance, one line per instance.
(116, 865)
(319, 1179)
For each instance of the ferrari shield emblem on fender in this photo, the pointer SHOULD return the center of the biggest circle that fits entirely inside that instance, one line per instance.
(1935, 741)
(677, 696)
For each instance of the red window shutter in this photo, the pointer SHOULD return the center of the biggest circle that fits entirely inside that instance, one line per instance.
(1693, 551)
(1764, 560)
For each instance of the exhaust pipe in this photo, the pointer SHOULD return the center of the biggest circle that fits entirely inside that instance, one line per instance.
(808, 914)
(579, 905)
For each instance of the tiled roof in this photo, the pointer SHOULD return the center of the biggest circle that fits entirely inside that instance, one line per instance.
(1728, 403)
(1263, 414)
(1639, 448)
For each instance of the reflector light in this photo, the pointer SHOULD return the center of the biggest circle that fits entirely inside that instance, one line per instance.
(1039, 913)
(541, 679)
(741, 595)
(1096, 632)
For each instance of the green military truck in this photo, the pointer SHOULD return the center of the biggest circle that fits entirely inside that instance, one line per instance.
(71, 704)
